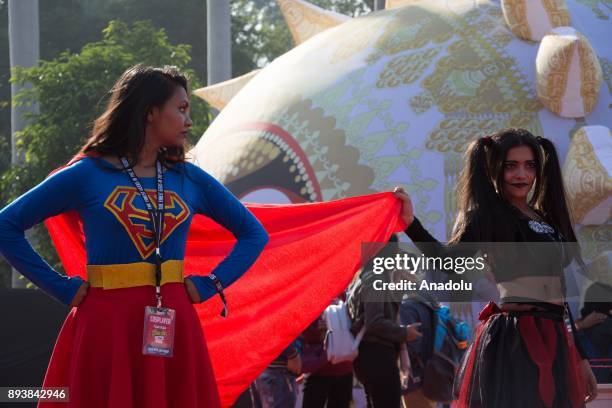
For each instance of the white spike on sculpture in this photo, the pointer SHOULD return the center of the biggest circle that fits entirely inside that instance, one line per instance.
(306, 20)
(218, 95)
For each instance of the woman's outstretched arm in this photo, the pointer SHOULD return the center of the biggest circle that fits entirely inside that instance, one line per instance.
(426, 242)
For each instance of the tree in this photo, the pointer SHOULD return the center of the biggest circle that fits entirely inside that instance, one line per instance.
(259, 32)
(67, 25)
(71, 91)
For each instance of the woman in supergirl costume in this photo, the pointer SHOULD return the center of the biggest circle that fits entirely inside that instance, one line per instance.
(522, 355)
(99, 354)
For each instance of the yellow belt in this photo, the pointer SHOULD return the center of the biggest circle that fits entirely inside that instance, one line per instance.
(133, 274)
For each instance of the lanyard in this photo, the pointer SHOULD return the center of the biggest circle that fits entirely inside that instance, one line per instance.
(157, 216)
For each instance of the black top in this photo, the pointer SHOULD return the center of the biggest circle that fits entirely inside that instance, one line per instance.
(535, 260)
(544, 256)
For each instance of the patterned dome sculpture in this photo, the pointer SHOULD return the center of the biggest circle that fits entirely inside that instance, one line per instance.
(568, 74)
(533, 19)
(393, 98)
(587, 174)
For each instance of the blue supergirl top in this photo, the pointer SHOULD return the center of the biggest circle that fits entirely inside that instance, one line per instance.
(107, 203)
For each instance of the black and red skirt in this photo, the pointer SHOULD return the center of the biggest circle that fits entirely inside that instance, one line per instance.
(520, 359)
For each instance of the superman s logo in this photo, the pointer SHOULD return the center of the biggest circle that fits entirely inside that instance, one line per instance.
(126, 204)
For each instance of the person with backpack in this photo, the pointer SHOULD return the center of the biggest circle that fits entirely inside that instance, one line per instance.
(376, 365)
(277, 387)
(327, 384)
(434, 357)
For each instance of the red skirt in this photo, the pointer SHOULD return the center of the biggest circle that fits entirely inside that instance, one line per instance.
(520, 359)
(98, 354)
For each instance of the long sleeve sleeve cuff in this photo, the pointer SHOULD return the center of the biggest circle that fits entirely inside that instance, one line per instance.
(72, 286)
(205, 286)
(416, 231)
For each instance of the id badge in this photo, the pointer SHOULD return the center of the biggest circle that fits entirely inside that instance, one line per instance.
(158, 339)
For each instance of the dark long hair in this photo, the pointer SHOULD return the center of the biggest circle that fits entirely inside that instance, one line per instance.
(120, 130)
(481, 200)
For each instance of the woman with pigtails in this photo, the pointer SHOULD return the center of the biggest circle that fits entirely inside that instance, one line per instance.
(522, 354)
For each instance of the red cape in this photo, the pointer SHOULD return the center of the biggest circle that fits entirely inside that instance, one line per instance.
(313, 254)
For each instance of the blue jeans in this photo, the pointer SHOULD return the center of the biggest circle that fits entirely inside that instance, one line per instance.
(276, 388)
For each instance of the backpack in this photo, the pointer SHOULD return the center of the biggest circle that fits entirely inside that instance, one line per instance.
(339, 343)
(435, 360)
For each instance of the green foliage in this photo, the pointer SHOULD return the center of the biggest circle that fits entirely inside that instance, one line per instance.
(67, 25)
(71, 92)
(260, 34)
